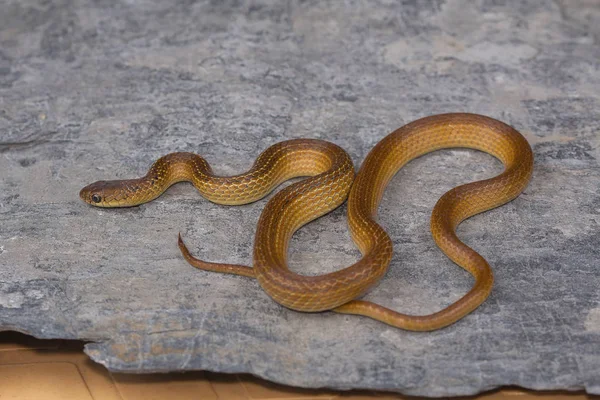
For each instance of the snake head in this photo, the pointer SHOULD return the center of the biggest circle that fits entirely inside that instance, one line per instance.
(108, 194)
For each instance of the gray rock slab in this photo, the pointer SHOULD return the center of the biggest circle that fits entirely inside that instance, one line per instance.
(98, 90)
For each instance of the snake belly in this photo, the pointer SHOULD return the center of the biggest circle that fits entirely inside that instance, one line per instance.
(331, 175)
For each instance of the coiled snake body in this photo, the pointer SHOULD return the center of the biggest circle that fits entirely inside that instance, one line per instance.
(331, 178)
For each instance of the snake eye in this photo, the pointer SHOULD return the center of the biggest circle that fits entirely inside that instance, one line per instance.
(96, 198)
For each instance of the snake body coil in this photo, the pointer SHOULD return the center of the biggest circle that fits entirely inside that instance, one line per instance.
(331, 177)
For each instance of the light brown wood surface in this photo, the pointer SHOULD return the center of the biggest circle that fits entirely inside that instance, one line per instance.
(33, 369)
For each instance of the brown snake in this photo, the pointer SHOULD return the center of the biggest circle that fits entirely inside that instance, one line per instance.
(331, 177)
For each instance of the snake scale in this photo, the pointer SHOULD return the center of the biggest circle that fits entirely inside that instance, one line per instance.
(330, 180)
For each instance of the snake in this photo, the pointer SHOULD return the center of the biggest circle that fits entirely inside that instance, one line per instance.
(329, 181)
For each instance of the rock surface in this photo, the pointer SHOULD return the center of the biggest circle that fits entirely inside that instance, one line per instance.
(98, 90)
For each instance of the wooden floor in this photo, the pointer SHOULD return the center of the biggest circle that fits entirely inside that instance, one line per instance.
(56, 369)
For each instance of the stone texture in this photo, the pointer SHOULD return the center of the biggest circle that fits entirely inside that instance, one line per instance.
(95, 90)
